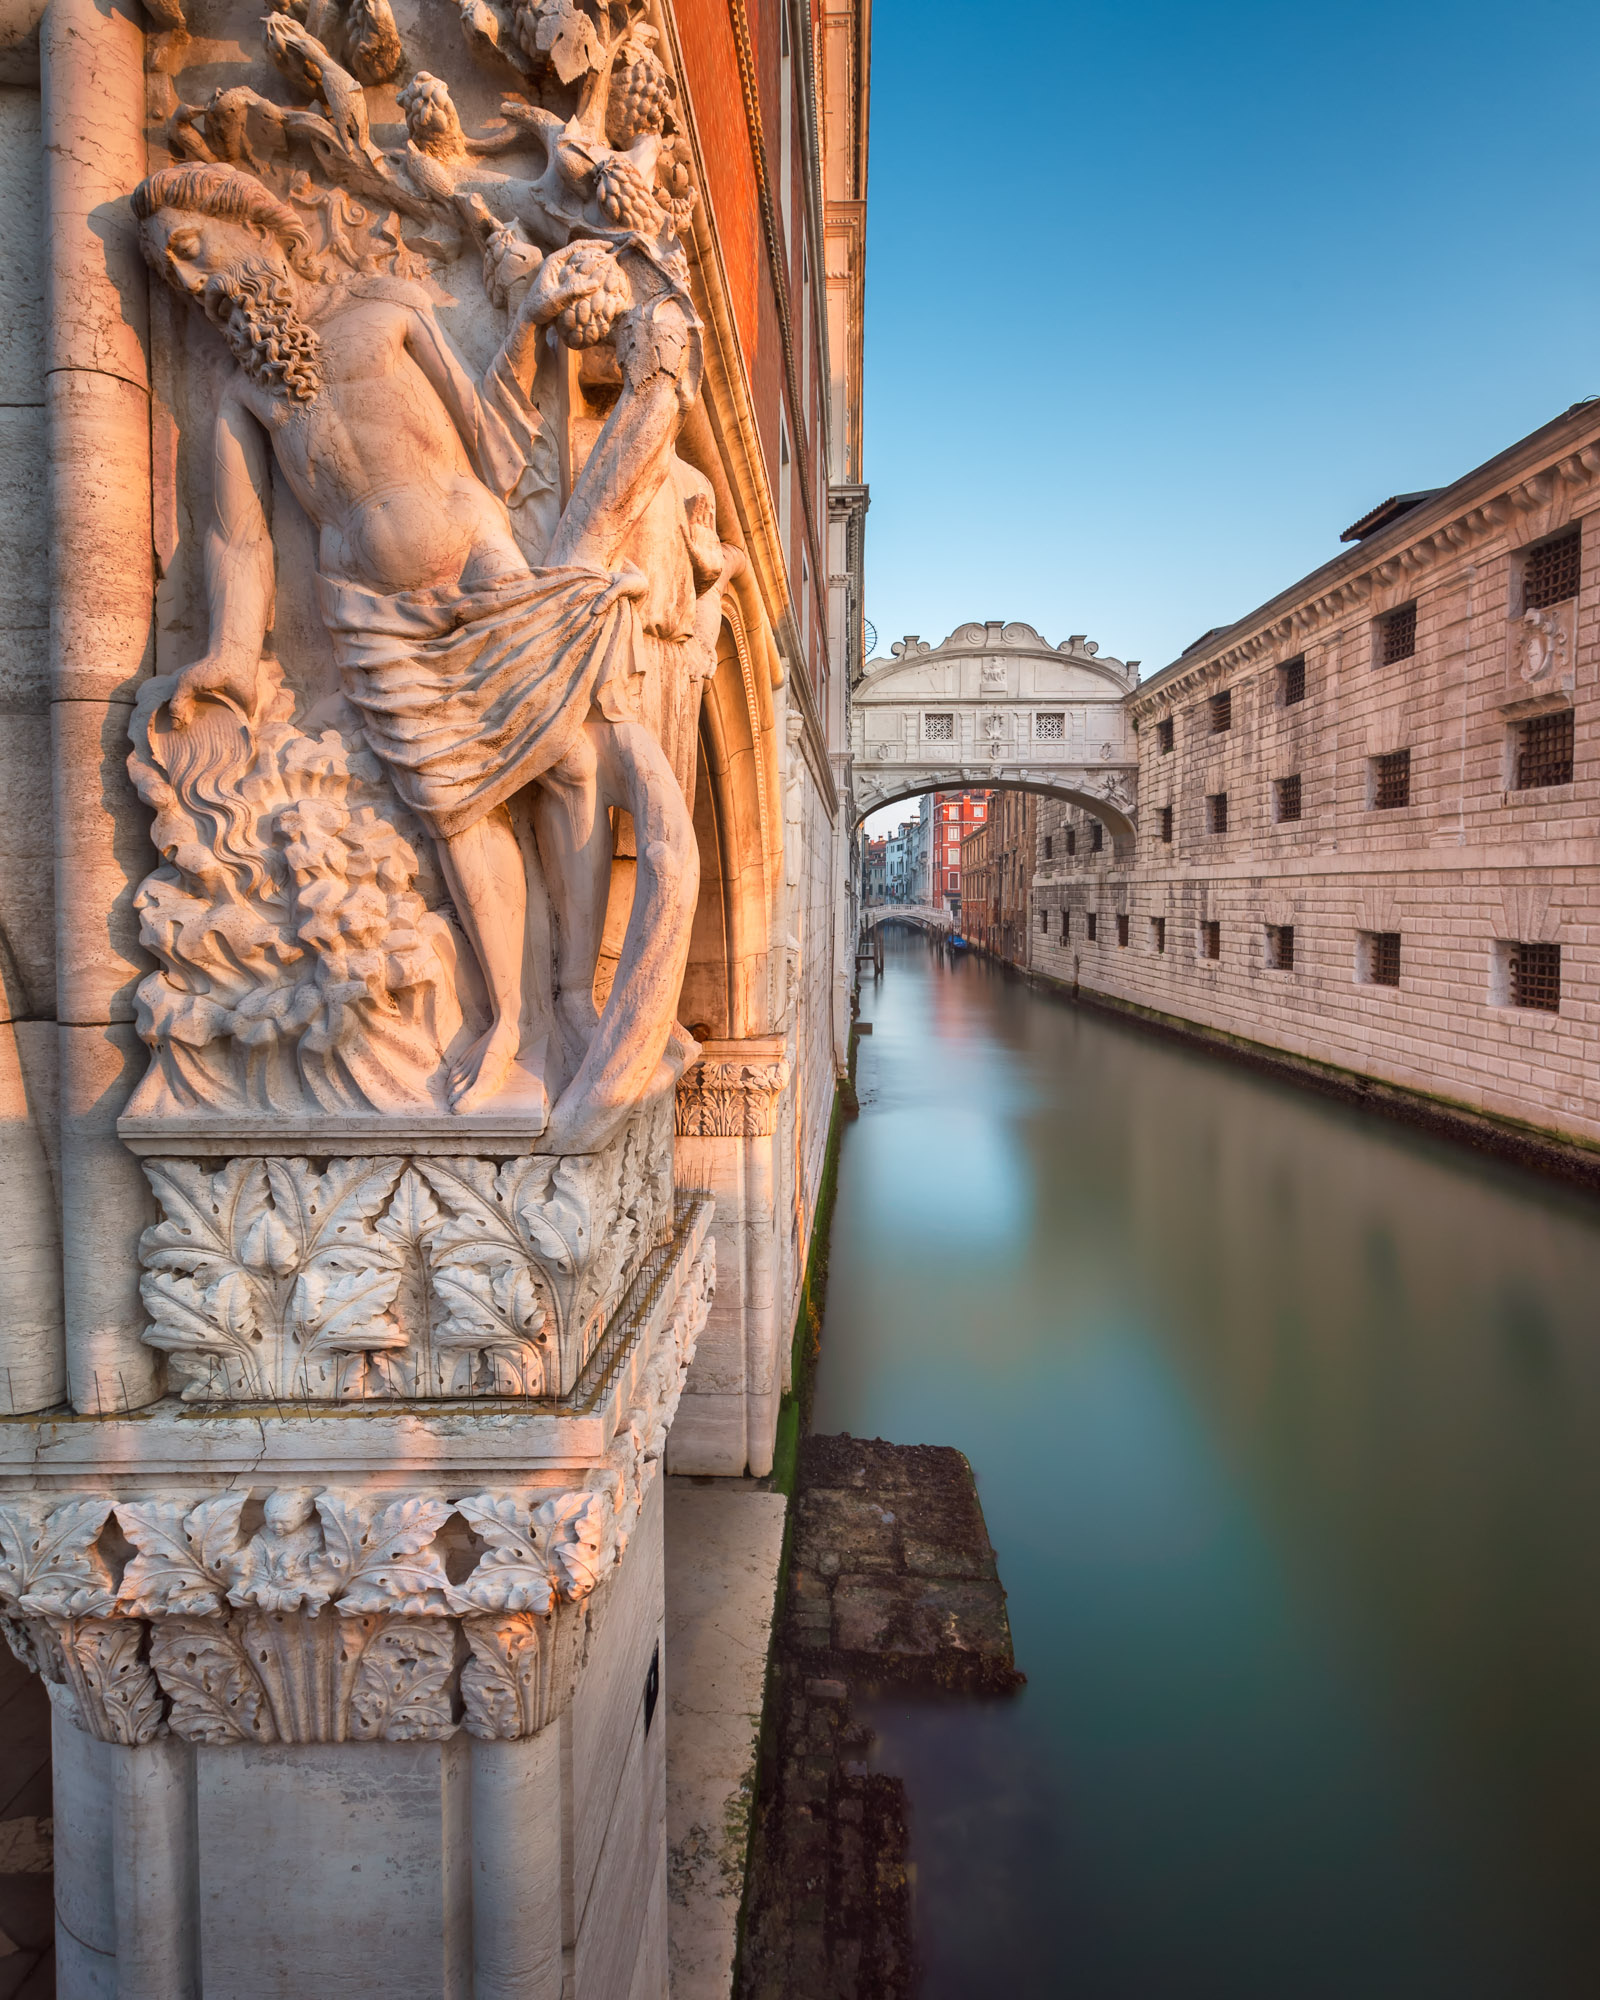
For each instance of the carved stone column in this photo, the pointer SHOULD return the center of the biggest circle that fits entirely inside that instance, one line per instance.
(727, 1137)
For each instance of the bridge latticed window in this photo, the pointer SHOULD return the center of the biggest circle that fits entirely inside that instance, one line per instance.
(1544, 751)
(1051, 727)
(1292, 680)
(1534, 976)
(1122, 930)
(939, 728)
(1397, 635)
(1211, 939)
(1280, 947)
(1550, 572)
(1164, 735)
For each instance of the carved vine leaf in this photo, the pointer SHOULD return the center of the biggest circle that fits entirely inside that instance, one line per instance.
(512, 1573)
(204, 1671)
(401, 1690)
(382, 1556)
(49, 1564)
(499, 1684)
(186, 1554)
(568, 38)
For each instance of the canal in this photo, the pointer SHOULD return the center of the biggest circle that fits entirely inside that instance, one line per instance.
(1286, 1423)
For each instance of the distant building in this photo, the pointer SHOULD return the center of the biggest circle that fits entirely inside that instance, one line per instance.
(899, 861)
(950, 817)
(875, 875)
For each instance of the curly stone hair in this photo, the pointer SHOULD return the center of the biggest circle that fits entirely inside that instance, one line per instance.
(229, 196)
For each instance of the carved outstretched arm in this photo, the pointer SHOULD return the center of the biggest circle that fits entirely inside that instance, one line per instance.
(238, 571)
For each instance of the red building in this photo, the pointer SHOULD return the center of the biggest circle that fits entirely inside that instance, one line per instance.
(954, 815)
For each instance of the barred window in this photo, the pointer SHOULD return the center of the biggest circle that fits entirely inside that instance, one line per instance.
(1066, 925)
(1544, 751)
(1397, 635)
(1166, 825)
(1051, 728)
(1158, 934)
(1286, 797)
(1550, 572)
(1391, 781)
(1222, 712)
(1097, 836)
(939, 728)
(1164, 734)
(1280, 947)
(1216, 812)
(1534, 976)
(1380, 958)
(1044, 922)
(1122, 930)
(1292, 680)
(1072, 840)
(1049, 848)
(1091, 925)
(1211, 940)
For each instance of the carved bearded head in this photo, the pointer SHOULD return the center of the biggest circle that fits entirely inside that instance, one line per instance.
(220, 238)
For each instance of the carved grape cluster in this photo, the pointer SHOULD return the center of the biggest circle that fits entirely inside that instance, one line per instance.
(641, 95)
(587, 321)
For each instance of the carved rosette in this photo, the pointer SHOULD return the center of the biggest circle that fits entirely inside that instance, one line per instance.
(395, 1277)
(718, 1099)
(334, 1614)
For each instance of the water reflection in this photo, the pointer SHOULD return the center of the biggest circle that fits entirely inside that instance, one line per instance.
(1287, 1426)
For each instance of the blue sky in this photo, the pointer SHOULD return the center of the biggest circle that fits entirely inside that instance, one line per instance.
(1161, 298)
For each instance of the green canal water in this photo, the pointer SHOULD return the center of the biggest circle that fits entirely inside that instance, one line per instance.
(1286, 1423)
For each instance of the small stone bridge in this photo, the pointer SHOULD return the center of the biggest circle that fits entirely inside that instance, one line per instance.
(996, 705)
(920, 916)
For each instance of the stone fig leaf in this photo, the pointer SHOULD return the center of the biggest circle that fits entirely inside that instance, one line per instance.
(383, 1558)
(572, 1527)
(188, 1314)
(183, 1567)
(568, 38)
(49, 1562)
(491, 1308)
(204, 1216)
(511, 1575)
(343, 1311)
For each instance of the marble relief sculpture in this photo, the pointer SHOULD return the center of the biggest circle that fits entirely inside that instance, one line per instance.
(397, 905)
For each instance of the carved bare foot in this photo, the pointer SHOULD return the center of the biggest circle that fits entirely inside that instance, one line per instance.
(482, 1071)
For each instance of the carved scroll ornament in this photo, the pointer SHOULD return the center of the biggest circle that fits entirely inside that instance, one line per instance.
(324, 1615)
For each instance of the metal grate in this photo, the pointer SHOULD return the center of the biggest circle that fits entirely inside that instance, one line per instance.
(1211, 940)
(1397, 635)
(1044, 922)
(1122, 930)
(1550, 572)
(1216, 812)
(939, 728)
(1280, 947)
(1287, 791)
(1391, 781)
(1293, 676)
(1072, 840)
(1222, 712)
(1383, 958)
(1158, 933)
(1536, 976)
(1164, 734)
(1097, 836)
(1091, 923)
(1544, 750)
(1066, 925)
(1051, 728)
(1166, 825)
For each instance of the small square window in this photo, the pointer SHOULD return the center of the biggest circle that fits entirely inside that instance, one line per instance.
(1280, 947)
(1072, 840)
(1391, 781)
(1543, 751)
(1378, 961)
(1528, 975)
(1051, 728)
(1292, 681)
(1286, 797)
(1550, 572)
(1211, 940)
(1097, 836)
(1165, 817)
(1397, 635)
(1216, 812)
(1222, 712)
(1091, 924)
(939, 728)
(1158, 934)
(1122, 930)
(1164, 735)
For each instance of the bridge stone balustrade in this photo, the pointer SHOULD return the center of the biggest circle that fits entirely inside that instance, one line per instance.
(996, 705)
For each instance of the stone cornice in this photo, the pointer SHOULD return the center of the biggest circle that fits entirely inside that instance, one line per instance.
(1563, 456)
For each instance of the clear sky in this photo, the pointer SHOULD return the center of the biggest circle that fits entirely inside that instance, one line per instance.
(1162, 297)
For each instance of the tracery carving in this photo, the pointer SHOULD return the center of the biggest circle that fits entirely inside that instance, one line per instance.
(522, 603)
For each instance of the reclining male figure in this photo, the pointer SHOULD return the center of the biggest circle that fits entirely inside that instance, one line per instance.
(475, 674)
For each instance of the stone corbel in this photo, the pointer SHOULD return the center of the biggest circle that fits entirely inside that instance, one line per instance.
(732, 1092)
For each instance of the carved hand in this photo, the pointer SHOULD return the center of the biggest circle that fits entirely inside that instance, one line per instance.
(230, 677)
(577, 272)
(510, 259)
